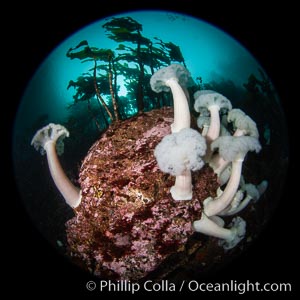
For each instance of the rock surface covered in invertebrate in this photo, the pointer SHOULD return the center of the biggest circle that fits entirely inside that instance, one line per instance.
(127, 223)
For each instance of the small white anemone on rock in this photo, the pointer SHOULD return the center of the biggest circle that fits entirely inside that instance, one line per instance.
(214, 103)
(242, 123)
(248, 192)
(229, 238)
(233, 149)
(175, 78)
(178, 154)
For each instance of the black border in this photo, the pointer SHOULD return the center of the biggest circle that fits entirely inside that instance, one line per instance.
(267, 32)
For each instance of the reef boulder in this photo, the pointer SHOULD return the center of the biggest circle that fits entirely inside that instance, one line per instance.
(127, 223)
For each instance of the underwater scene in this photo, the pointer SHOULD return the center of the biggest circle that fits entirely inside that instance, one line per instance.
(142, 152)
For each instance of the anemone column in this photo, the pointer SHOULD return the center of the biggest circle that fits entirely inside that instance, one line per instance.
(47, 140)
(175, 78)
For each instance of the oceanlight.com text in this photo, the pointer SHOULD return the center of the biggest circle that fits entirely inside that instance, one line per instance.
(232, 286)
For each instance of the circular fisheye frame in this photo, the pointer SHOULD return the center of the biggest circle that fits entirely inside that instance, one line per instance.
(142, 152)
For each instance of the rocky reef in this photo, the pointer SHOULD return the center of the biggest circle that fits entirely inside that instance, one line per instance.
(127, 223)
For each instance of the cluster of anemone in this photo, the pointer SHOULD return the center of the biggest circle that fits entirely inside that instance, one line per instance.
(186, 150)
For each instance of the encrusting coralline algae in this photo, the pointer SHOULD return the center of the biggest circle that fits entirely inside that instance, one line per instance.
(127, 222)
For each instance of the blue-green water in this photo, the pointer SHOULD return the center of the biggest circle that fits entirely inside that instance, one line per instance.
(208, 51)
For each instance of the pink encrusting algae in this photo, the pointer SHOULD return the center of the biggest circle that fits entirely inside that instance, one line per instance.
(127, 223)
